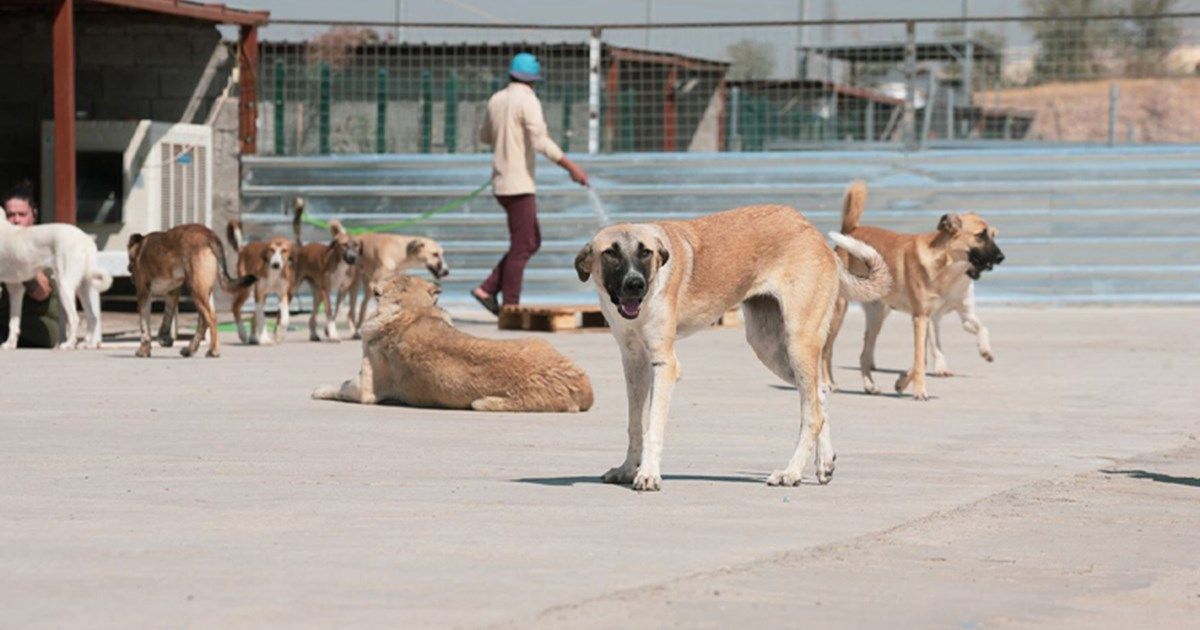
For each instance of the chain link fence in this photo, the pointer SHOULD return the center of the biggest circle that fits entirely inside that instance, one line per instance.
(367, 88)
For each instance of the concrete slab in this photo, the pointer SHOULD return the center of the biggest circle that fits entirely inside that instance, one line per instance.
(206, 492)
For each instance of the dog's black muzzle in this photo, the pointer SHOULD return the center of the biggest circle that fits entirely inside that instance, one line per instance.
(983, 259)
(628, 295)
(350, 257)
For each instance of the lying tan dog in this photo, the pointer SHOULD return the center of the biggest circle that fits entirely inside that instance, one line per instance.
(271, 263)
(163, 263)
(413, 355)
(326, 267)
(382, 255)
(662, 281)
(933, 272)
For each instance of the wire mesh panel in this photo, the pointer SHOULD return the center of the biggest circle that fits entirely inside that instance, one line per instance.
(1111, 76)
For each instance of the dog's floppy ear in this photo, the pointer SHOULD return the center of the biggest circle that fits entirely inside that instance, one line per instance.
(583, 263)
(376, 290)
(663, 254)
(993, 232)
(950, 223)
(435, 290)
(134, 239)
(415, 246)
(335, 227)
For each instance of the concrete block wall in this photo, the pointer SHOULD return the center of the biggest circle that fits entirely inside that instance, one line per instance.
(128, 67)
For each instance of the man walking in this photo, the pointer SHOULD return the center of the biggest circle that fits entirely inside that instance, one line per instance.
(515, 127)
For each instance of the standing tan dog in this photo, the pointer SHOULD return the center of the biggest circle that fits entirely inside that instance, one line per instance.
(933, 273)
(164, 263)
(413, 355)
(272, 264)
(666, 280)
(381, 255)
(327, 267)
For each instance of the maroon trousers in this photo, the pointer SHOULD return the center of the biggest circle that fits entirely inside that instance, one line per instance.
(524, 238)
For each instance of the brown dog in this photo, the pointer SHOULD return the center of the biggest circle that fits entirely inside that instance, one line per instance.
(413, 355)
(326, 267)
(163, 263)
(272, 264)
(933, 272)
(381, 255)
(666, 280)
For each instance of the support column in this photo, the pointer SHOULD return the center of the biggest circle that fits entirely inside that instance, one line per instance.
(593, 146)
(248, 93)
(910, 88)
(64, 111)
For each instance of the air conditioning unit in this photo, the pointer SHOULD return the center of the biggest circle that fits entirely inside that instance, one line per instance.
(133, 176)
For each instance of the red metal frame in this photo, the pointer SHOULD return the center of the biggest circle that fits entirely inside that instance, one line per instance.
(248, 98)
(64, 110)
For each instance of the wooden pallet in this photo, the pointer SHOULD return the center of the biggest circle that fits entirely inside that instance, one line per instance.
(554, 318)
(551, 318)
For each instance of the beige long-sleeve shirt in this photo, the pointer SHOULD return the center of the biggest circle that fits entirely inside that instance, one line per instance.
(515, 127)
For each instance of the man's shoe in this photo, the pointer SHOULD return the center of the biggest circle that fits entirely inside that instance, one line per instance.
(488, 302)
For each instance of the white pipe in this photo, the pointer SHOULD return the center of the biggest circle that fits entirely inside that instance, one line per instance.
(594, 92)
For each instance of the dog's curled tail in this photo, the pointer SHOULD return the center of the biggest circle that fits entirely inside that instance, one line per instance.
(297, 214)
(233, 233)
(100, 279)
(878, 280)
(228, 282)
(853, 203)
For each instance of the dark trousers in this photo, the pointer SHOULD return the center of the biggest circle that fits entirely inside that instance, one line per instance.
(524, 238)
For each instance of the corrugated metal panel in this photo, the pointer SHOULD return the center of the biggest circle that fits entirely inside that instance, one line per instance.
(1078, 225)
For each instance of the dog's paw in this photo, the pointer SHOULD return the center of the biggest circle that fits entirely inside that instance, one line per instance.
(356, 335)
(871, 388)
(987, 354)
(143, 350)
(943, 373)
(185, 351)
(313, 336)
(213, 353)
(921, 395)
(825, 469)
(620, 474)
(646, 481)
(166, 341)
(784, 478)
(325, 393)
(66, 345)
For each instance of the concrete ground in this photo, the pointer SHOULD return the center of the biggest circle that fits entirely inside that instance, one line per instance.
(1058, 486)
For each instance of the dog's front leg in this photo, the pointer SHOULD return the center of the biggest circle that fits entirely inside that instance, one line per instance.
(16, 297)
(971, 324)
(145, 302)
(166, 332)
(933, 345)
(637, 388)
(360, 389)
(664, 371)
(916, 375)
(284, 319)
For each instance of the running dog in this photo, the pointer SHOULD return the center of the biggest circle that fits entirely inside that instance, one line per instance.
(326, 268)
(163, 263)
(412, 354)
(71, 255)
(381, 255)
(934, 274)
(272, 265)
(662, 281)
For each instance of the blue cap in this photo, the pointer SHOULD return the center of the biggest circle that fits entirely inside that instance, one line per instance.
(525, 67)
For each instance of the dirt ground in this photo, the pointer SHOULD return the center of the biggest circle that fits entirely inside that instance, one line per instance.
(1059, 486)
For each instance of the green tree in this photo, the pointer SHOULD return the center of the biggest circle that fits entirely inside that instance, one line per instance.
(750, 59)
(1148, 40)
(1068, 45)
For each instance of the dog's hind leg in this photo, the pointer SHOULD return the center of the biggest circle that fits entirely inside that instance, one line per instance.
(934, 346)
(65, 288)
(258, 331)
(972, 324)
(801, 334)
(876, 312)
(89, 295)
(239, 300)
(835, 326)
(284, 319)
(16, 298)
(166, 331)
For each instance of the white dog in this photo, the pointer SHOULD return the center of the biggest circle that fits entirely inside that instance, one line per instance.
(71, 254)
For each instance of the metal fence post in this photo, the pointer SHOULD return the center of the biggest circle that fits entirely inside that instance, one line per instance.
(323, 110)
(450, 132)
(927, 118)
(870, 122)
(1114, 95)
(381, 111)
(568, 93)
(426, 111)
(280, 103)
(594, 92)
(910, 88)
(734, 140)
(949, 113)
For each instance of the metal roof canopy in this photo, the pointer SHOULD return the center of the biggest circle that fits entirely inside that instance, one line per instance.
(893, 52)
(62, 18)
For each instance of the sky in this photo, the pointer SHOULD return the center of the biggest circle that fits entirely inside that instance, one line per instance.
(703, 43)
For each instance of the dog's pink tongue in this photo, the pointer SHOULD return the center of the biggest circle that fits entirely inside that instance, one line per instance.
(631, 307)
